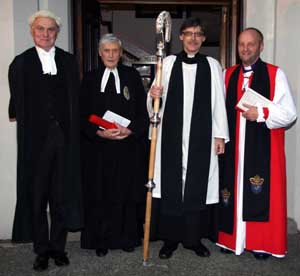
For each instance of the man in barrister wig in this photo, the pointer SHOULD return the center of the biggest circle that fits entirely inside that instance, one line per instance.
(44, 86)
(114, 157)
(192, 134)
(253, 176)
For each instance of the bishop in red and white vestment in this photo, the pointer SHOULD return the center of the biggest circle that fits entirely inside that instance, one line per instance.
(253, 213)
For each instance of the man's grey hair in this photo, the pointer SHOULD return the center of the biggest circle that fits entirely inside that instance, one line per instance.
(47, 14)
(109, 38)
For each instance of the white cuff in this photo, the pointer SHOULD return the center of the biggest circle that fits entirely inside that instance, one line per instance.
(260, 118)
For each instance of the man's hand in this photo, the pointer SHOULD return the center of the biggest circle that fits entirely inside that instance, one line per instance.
(155, 91)
(219, 146)
(124, 132)
(118, 133)
(110, 134)
(251, 114)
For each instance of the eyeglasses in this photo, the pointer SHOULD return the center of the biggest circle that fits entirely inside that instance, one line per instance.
(190, 34)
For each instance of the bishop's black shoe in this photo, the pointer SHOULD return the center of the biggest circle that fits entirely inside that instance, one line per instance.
(101, 252)
(261, 255)
(41, 262)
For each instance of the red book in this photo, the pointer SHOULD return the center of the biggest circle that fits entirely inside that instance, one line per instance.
(94, 119)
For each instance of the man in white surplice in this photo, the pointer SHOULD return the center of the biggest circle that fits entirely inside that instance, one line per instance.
(192, 134)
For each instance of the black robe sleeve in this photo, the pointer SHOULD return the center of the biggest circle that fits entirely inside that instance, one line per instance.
(85, 105)
(13, 76)
(141, 122)
(73, 193)
(22, 224)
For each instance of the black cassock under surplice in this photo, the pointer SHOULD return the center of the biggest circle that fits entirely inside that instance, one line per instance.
(114, 171)
(177, 218)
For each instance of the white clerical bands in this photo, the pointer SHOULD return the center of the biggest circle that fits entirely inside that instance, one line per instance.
(48, 61)
(105, 79)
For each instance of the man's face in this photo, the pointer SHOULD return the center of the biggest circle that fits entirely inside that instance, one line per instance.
(44, 31)
(192, 39)
(249, 47)
(110, 54)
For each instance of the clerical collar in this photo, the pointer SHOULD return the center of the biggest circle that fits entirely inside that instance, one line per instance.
(188, 58)
(247, 69)
(105, 77)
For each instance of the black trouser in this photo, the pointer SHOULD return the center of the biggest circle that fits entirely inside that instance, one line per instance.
(188, 228)
(48, 185)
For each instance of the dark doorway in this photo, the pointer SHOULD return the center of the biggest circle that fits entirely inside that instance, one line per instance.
(134, 23)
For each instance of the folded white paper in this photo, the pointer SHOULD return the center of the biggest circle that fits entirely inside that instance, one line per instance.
(251, 97)
(116, 118)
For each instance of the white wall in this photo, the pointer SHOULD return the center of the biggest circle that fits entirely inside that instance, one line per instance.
(15, 39)
(62, 9)
(23, 9)
(279, 20)
(287, 56)
(7, 129)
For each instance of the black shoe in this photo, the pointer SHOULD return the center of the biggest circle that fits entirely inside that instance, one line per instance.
(166, 252)
(128, 249)
(225, 251)
(101, 252)
(201, 250)
(61, 259)
(41, 262)
(261, 255)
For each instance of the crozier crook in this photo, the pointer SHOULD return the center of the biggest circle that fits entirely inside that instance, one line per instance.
(163, 21)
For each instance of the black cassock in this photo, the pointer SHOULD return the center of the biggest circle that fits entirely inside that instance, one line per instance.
(114, 172)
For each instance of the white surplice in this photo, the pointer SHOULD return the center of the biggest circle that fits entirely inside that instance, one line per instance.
(219, 121)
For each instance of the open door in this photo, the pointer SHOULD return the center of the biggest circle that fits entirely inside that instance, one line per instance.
(134, 21)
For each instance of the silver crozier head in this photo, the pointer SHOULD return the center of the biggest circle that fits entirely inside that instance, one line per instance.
(163, 21)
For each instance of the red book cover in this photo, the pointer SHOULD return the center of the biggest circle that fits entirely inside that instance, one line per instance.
(94, 119)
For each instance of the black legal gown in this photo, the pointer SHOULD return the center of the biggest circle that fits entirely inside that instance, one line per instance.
(26, 88)
(114, 172)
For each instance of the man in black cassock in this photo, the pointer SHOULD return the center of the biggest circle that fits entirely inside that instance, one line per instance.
(44, 86)
(192, 134)
(114, 160)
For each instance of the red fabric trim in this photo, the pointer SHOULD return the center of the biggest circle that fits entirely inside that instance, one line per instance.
(272, 69)
(228, 74)
(266, 112)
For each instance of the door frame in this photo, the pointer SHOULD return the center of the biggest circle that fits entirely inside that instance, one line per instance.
(231, 25)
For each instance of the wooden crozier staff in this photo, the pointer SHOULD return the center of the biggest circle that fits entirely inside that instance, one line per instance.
(163, 20)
